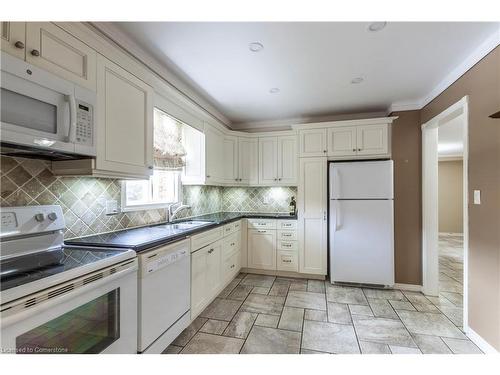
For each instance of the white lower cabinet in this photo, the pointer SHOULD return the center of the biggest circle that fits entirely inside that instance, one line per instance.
(262, 249)
(214, 264)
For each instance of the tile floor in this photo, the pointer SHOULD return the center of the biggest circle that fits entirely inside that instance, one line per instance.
(267, 314)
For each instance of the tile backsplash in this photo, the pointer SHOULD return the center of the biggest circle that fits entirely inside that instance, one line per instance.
(83, 199)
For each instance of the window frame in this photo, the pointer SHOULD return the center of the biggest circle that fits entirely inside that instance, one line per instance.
(149, 206)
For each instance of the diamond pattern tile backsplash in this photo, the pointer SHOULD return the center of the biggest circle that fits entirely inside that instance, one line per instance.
(83, 199)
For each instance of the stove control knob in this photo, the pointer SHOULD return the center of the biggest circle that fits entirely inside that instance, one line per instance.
(52, 216)
(40, 217)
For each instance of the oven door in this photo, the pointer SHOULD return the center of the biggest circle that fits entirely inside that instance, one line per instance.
(37, 108)
(96, 313)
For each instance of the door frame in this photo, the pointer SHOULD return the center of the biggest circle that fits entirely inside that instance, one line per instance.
(430, 230)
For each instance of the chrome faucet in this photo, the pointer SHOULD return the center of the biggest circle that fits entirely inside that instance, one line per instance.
(174, 209)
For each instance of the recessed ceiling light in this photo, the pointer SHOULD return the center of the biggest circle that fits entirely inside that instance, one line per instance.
(255, 46)
(377, 26)
(274, 90)
(357, 80)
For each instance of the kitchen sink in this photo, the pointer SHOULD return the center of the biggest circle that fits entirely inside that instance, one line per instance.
(185, 225)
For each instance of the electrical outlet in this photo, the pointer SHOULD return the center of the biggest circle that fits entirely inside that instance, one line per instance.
(111, 207)
(477, 196)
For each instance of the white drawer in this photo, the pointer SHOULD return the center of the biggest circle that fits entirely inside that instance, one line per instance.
(262, 223)
(237, 225)
(287, 224)
(287, 235)
(231, 266)
(228, 229)
(231, 244)
(205, 238)
(288, 245)
(287, 261)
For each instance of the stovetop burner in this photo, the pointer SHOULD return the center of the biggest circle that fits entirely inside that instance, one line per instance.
(17, 272)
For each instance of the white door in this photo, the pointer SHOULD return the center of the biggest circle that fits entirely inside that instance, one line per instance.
(268, 160)
(361, 241)
(13, 38)
(312, 211)
(312, 142)
(214, 274)
(214, 148)
(125, 121)
(362, 180)
(230, 160)
(287, 160)
(373, 140)
(199, 284)
(342, 141)
(248, 166)
(50, 47)
(262, 249)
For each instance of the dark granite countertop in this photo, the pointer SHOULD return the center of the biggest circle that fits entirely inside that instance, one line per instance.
(144, 238)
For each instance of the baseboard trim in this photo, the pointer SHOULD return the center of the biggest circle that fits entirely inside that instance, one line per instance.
(408, 287)
(283, 273)
(451, 234)
(480, 342)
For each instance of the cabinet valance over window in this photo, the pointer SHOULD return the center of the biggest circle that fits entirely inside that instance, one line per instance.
(168, 149)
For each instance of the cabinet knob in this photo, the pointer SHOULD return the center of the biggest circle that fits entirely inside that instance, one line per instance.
(19, 44)
(236, 179)
(35, 52)
(324, 151)
(353, 150)
(150, 167)
(210, 251)
(359, 149)
(208, 176)
(279, 179)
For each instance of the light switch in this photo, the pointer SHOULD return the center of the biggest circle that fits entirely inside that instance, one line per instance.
(477, 196)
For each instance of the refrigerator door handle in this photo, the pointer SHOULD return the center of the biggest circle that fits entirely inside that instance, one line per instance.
(335, 209)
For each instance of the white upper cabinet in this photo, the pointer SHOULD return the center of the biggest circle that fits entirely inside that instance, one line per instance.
(248, 166)
(287, 160)
(278, 161)
(268, 160)
(342, 141)
(373, 140)
(312, 142)
(214, 155)
(125, 122)
(230, 159)
(53, 49)
(13, 38)
(193, 141)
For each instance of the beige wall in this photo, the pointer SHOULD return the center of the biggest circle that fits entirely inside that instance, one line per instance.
(451, 196)
(482, 86)
(407, 156)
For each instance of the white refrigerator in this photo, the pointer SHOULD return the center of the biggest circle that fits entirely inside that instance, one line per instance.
(361, 225)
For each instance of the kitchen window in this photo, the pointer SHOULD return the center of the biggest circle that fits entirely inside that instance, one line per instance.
(164, 187)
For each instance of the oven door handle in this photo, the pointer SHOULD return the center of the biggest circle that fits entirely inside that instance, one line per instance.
(72, 118)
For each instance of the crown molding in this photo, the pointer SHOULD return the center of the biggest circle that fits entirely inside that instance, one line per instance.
(120, 38)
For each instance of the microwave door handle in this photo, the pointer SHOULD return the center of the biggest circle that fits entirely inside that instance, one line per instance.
(72, 118)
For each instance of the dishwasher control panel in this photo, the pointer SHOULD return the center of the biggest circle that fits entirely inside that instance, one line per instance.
(159, 258)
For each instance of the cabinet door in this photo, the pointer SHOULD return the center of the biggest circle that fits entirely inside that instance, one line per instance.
(193, 141)
(342, 141)
(230, 160)
(13, 39)
(287, 160)
(268, 160)
(312, 211)
(124, 121)
(214, 274)
(52, 48)
(373, 140)
(262, 249)
(312, 142)
(214, 143)
(248, 166)
(199, 284)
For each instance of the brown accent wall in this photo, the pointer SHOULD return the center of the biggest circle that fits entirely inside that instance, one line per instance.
(407, 155)
(482, 85)
(451, 196)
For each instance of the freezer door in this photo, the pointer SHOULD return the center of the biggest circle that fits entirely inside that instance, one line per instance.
(361, 180)
(362, 241)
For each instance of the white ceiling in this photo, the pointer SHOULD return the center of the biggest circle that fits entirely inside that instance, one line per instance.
(450, 138)
(311, 63)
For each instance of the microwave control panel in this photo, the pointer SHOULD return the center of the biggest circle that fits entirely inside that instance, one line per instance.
(84, 123)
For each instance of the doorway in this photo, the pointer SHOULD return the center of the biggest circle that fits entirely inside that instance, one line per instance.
(445, 223)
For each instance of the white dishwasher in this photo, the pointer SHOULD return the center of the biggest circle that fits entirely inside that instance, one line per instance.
(164, 295)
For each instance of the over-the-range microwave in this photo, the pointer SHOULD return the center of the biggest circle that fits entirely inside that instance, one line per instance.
(43, 115)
